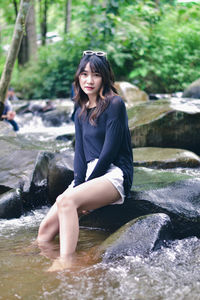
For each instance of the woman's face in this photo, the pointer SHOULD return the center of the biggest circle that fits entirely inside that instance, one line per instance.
(90, 82)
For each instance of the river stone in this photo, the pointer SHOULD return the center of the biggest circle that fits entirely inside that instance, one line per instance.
(130, 93)
(165, 158)
(52, 174)
(60, 174)
(138, 237)
(6, 129)
(193, 90)
(10, 205)
(181, 201)
(172, 123)
(177, 195)
(16, 163)
(56, 117)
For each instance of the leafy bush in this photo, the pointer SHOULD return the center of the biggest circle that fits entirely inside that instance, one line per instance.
(155, 47)
(171, 55)
(52, 74)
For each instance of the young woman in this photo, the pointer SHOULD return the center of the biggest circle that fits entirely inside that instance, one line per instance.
(103, 164)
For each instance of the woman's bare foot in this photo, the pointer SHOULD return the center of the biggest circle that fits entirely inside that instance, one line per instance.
(48, 249)
(61, 264)
(75, 262)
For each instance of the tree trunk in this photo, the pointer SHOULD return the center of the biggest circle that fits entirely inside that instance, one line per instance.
(67, 15)
(43, 20)
(28, 48)
(13, 50)
(15, 6)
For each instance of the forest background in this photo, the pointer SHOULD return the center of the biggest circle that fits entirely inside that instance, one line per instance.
(152, 44)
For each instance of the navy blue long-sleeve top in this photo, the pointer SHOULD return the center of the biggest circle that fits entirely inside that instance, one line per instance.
(109, 141)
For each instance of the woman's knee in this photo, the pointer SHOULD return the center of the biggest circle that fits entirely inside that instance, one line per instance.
(65, 201)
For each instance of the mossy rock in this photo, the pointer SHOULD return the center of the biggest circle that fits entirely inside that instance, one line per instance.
(139, 237)
(165, 158)
(167, 124)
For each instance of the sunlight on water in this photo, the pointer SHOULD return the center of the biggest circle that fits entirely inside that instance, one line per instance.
(31, 124)
(34, 125)
(170, 273)
(188, 171)
(186, 105)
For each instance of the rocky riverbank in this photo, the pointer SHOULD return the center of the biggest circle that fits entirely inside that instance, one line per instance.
(165, 135)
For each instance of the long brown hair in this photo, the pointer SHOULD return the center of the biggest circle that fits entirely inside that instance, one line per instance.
(98, 64)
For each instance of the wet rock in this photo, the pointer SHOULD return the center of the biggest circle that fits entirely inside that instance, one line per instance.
(166, 123)
(60, 174)
(6, 129)
(10, 205)
(38, 175)
(65, 137)
(177, 195)
(16, 163)
(155, 157)
(193, 90)
(138, 237)
(56, 117)
(52, 174)
(53, 113)
(131, 93)
(180, 201)
(34, 190)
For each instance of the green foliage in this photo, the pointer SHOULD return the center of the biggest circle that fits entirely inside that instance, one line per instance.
(52, 74)
(170, 59)
(153, 45)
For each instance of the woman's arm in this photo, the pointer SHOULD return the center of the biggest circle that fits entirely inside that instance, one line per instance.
(80, 164)
(115, 128)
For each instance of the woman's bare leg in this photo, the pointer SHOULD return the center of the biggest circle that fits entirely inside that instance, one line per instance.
(87, 196)
(49, 227)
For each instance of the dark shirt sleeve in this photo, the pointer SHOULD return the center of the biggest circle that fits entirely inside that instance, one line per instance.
(115, 126)
(80, 164)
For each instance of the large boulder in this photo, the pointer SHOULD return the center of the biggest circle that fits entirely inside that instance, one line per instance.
(138, 237)
(56, 117)
(16, 163)
(6, 129)
(11, 205)
(130, 93)
(193, 90)
(60, 174)
(155, 157)
(166, 123)
(55, 114)
(38, 176)
(177, 195)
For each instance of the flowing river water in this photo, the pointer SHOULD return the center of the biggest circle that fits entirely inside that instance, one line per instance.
(171, 273)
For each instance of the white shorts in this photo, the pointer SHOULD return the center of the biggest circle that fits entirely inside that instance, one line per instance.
(114, 175)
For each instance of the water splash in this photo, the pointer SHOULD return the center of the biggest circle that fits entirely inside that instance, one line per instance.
(190, 106)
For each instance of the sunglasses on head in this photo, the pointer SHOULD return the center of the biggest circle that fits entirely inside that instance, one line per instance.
(97, 53)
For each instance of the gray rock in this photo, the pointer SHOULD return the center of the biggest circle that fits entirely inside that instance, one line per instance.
(16, 163)
(138, 237)
(52, 174)
(10, 205)
(193, 90)
(56, 117)
(40, 176)
(6, 129)
(60, 174)
(156, 157)
(130, 93)
(177, 195)
(167, 124)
